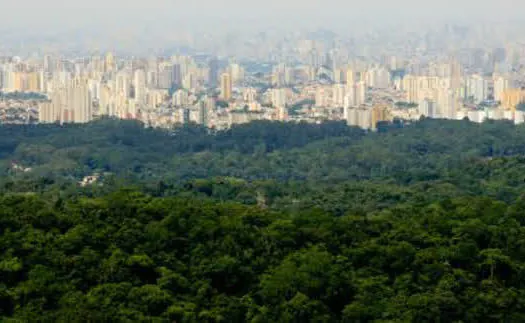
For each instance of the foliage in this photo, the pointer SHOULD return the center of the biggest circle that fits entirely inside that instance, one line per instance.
(22, 96)
(294, 108)
(222, 104)
(265, 222)
(406, 105)
(131, 257)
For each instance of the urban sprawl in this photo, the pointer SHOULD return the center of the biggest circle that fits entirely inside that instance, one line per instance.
(317, 84)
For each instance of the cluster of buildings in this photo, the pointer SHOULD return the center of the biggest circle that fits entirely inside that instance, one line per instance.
(452, 95)
(219, 92)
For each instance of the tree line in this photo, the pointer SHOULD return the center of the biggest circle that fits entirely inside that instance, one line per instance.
(263, 222)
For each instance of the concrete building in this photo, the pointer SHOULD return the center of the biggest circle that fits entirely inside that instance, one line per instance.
(478, 88)
(322, 96)
(427, 108)
(279, 98)
(226, 87)
(72, 104)
(338, 95)
(139, 86)
(510, 98)
(501, 84)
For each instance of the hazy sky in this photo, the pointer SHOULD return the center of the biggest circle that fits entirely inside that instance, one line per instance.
(41, 15)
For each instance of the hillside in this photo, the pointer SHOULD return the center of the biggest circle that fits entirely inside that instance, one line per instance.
(266, 222)
(434, 156)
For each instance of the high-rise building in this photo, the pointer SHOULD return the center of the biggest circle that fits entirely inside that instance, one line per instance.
(189, 82)
(478, 88)
(456, 72)
(378, 77)
(180, 98)
(109, 63)
(339, 93)
(351, 116)
(501, 84)
(289, 75)
(310, 72)
(152, 78)
(79, 102)
(365, 118)
(48, 64)
(351, 78)
(355, 95)
(34, 82)
(226, 87)
(94, 88)
(95, 65)
(338, 75)
(18, 82)
(214, 72)
(411, 87)
(237, 73)
(106, 101)
(282, 75)
(379, 113)
(165, 77)
(177, 74)
(360, 92)
(418, 88)
(2, 77)
(278, 75)
(249, 95)
(394, 63)
(447, 104)
(279, 98)
(70, 104)
(48, 112)
(275, 79)
(9, 78)
(156, 97)
(139, 85)
(123, 84)
(510, 98)
(152, 73)
(427, 108)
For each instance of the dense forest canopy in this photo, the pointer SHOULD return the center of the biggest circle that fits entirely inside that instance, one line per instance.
(437, 155)
(264, 222)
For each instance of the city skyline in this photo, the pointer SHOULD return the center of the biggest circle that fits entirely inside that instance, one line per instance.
(218, 93)
(146, 61)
